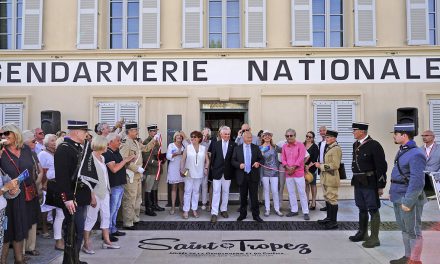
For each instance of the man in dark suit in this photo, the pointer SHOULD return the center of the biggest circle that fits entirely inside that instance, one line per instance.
(222, 172)
(246, 160)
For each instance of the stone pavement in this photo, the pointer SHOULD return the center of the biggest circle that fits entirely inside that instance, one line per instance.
(197, 241)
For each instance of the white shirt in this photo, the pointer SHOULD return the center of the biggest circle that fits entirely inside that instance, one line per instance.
(362, 140)
(429, 149)
(225, 147)
(47, 162)
(321, 150)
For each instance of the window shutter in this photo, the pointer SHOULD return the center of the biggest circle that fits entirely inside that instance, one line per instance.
(255, 23)
(345, 115)
(302, 31)
(87, 28)
(32, 24)
(192, 31)
(434, 117)
(417, 22)
(323, 114)
(107, 113)
(129, 111)
(338, 115)
(149, 24)
(365, 22)
(12, 113)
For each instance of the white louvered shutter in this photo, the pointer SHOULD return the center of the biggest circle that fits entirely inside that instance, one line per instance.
(337, 115)
(87, 28)
(301, 24)
(255, 24)
(417, 22)
(365, 22)
(345, 115)
(129, 111)
(192, 31)
(149, 24)
(32, 24)
(323, 114)
(107, 113)
(434, 117)
(12, 113)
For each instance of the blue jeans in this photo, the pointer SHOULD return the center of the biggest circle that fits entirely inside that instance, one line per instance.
(115, 202)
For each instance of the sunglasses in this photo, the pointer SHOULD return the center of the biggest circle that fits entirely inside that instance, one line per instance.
(6, 133)
(40, 133)
(289, 136)
(309, 137)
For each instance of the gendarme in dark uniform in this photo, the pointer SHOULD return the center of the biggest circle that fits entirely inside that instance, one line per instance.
(66, 160)
(369, 178)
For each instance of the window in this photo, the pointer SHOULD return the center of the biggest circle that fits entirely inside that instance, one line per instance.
(11, 18)
(434, 116)
(338, 115)
(11, 113)
(124, 24)
(224, 24)
(111, 112)
(327, 17)
(433, 11)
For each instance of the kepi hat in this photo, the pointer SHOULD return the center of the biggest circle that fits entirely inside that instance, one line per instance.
(406, 127)
(131, 125)
(331, 133)
(76, 124)
(359, 125)
(152, 127)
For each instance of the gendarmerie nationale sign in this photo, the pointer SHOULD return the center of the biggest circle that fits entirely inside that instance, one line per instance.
(220, 71)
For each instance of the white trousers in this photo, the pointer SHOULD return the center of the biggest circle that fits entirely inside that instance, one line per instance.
(205, 190)
(271, 183)
(301, 187)
(102, 206)
(58, 223)
(191, 193)
(220, 188)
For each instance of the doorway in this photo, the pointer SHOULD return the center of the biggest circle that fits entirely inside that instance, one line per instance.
(232, 114)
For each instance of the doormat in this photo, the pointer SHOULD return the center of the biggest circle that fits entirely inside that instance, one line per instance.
(268, 226)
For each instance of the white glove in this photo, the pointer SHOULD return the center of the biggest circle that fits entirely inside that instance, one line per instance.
(157, 137)
(140, 170)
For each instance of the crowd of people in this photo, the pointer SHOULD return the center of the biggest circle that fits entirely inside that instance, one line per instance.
(92, 174)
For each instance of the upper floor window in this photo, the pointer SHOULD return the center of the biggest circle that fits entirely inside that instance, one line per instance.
(224, 24)
(327, 16)
(433, 11)
(124, 24)
(11, 14)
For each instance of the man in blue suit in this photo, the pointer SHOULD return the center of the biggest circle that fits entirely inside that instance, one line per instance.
(246, 160)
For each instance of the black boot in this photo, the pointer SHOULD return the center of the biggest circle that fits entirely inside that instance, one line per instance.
(333, 223)
(327, 219)
(154, 200)
(373, 240)
(148, 209)
(362, 233)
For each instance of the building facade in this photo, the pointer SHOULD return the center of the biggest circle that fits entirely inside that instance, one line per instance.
(187, 64)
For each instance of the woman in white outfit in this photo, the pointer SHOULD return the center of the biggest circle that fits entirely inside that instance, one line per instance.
(47, 162)
(194, 165)
(100, 199)
(174, 155)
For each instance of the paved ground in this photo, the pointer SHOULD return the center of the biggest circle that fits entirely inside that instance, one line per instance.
(188, 244)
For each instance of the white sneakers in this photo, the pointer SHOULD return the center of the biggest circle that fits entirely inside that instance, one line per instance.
(111, 246)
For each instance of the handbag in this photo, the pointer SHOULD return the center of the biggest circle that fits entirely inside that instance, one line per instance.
(308, 176)
(341, 170)
(30, 191)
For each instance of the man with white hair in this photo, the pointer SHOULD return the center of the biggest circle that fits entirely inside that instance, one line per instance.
(117, 178)
(222, 172)
(39, 136)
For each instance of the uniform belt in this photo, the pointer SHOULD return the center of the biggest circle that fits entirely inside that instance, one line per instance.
(399, 182)
(367, 173)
